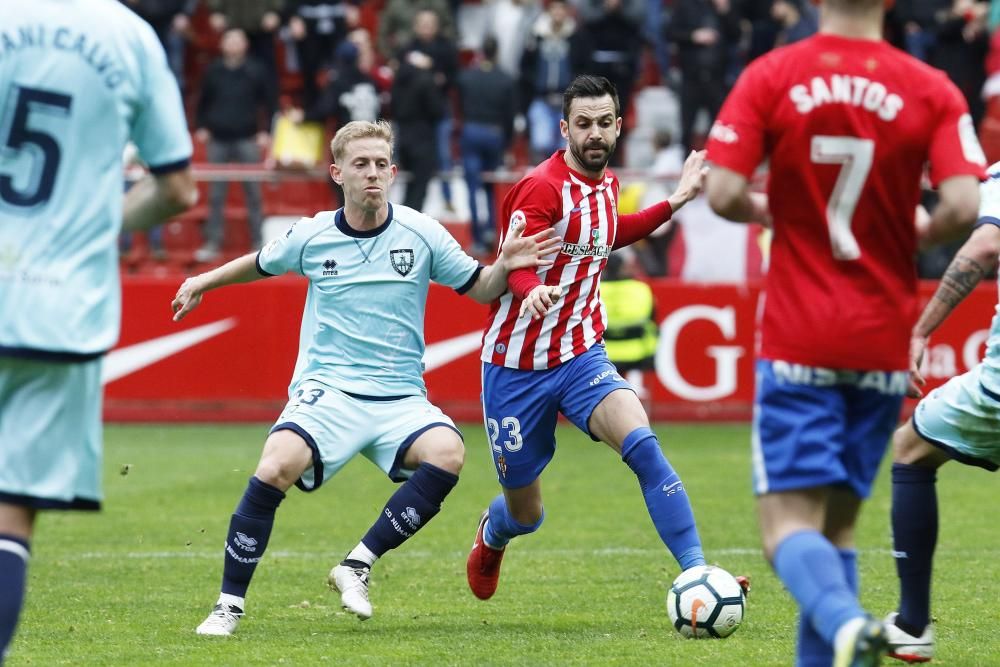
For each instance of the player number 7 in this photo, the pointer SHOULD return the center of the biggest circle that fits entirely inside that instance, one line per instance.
(854, 156)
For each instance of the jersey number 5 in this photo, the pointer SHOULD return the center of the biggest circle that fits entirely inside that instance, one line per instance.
(39, 145)
(854, 156)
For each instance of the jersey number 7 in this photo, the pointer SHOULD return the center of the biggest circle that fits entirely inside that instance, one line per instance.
(854, 156)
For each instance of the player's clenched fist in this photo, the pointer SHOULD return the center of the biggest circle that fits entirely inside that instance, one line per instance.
(539, 300)
(187, 299)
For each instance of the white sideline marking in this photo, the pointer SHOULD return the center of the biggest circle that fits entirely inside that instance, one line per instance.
(424, 554)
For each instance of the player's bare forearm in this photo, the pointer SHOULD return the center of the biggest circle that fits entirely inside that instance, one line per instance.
(955, 212)
(517, 252)
(491, 284)
(975, 259)
(729, 196)
(153, 199)
(240, 270)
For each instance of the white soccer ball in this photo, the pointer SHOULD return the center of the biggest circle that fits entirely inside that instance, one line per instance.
(706, 602)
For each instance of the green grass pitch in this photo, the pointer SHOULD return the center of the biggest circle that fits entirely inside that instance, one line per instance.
(127, 586)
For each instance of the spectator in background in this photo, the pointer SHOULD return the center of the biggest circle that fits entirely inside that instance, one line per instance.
(417, 107)
(259, 20)
(317, 29)
(488, 107)
(443, 53)
(395, 24)
(546, 69)
(960, 50)
(632, 334)
(704, 32)
(235, 107)
(594, 10)
(763, 29)
(919, 22)
(349, 93)
(668, 161)
(797, 19)
(509, 22)
(171, 19)
(609, 46)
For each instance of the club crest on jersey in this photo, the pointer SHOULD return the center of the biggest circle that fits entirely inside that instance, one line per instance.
(402, 260)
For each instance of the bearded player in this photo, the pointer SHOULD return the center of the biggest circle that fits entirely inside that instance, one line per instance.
(543, 352)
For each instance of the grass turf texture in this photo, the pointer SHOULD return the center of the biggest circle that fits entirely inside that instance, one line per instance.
(129, 585)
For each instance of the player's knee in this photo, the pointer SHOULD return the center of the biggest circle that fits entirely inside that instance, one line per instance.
(278, 472)
(446, 452)
(528, 517)
(530, 524)
(908, 447)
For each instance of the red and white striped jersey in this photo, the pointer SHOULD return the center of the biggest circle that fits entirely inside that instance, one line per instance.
(584, 212)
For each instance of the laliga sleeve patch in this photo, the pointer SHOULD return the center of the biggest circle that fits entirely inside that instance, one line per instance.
(516, 217)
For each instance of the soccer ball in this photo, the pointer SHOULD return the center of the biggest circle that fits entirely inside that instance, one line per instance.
(705, 601)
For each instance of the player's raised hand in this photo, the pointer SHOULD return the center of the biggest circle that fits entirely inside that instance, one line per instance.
(518, 251)
(187, 299)
(692, 180)
(539, 300)
(917, 346)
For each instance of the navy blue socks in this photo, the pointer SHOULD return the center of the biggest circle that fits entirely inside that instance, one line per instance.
(14, 553)
(914, 536)
(249, 530)
(666, 499)
(409, 508)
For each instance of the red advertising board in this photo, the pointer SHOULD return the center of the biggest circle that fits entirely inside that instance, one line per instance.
(231, 359)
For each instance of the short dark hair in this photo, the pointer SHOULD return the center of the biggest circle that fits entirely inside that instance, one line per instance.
(588, 85)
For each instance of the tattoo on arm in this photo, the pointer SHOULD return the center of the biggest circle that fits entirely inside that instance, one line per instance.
(962, 275)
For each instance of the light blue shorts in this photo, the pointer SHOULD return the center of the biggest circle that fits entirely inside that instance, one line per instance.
(50, 434)
(337, 427)
(961, 418)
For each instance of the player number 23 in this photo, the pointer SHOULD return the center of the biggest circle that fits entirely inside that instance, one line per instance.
(854, 156)
(512, 433)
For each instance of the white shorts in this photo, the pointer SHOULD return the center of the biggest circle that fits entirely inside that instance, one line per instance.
(960, 418)
(50, 434)
(337, 427)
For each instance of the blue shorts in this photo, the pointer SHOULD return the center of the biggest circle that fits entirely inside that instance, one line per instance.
(819, 427)
(962, 417)
(337, 427)
(50, 434)
(520, 409)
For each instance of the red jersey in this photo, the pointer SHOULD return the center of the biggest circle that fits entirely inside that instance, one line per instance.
(848, 126)
(584, 213)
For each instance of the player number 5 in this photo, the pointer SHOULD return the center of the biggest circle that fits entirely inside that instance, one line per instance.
(854, 156)
(48, 109)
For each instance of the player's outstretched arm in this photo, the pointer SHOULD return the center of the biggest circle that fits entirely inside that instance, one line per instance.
(729, 196)
(517, 252)
(240, 270)
(975, 259)
(691, 182)
(155, 198)
(957, 208)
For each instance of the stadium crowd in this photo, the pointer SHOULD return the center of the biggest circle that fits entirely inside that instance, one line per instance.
(477, 85)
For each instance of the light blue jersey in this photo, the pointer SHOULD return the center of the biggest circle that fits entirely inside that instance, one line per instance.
(363, 323)
(78, 80)
(989, 213)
